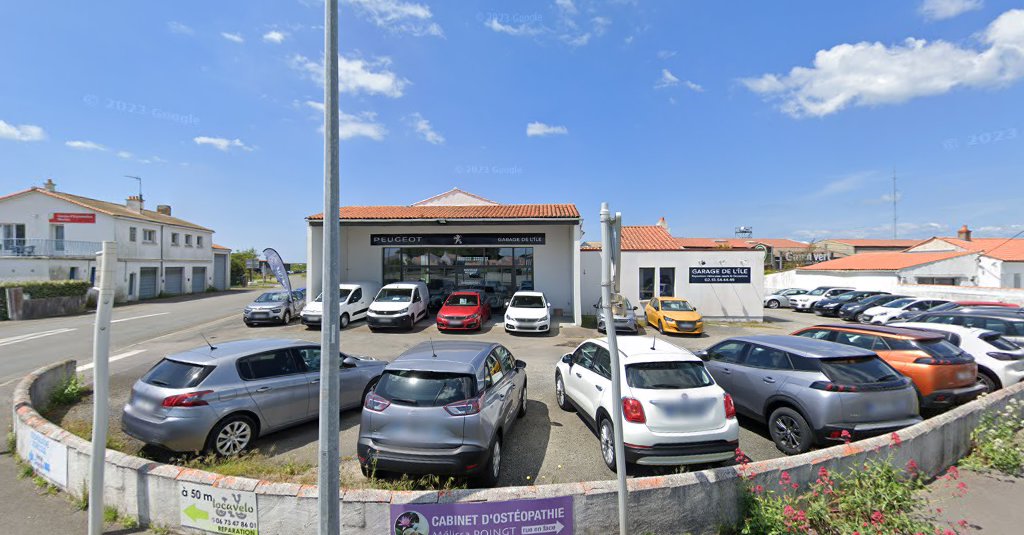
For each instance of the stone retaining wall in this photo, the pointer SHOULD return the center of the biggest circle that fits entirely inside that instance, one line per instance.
(695, 502)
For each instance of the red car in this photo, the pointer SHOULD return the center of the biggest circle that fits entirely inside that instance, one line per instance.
(986, 304)
(463, 311)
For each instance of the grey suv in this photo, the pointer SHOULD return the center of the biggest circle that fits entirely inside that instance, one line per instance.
(443, 408)
(275, 307)
(219, 399)
(812, 391)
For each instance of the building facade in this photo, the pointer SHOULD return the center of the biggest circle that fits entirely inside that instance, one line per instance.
(840, 247)
(47, 234)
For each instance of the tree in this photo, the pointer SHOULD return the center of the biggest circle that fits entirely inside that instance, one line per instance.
(238, 269)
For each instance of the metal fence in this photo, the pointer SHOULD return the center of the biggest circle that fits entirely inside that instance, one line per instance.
(47, 248)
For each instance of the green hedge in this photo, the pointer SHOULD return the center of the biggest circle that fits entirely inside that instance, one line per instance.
(43, 290)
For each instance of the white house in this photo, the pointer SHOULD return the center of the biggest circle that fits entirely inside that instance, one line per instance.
(47, 234)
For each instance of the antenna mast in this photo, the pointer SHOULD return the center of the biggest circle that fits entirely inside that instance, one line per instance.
(139, 178)
(894, 231)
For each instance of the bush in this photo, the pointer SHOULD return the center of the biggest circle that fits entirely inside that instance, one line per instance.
(996, 443)
(68, 393)
(43, 290)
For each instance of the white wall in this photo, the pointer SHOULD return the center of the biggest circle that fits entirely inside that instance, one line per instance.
(721, 301)
(1009, 269)
(884, 281)
(35, 209)
(965, 268)
(962, 293)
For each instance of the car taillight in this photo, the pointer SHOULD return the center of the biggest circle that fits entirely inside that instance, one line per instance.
(376, 403)
(633, 411)
(730, 408)
(463, 408)
(832, 387)
(934, 361)
(191, 399)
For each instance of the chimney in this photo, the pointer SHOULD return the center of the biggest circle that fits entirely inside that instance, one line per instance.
(663, 224)
(50, 186)
(964, 233)
(164, 209)
(135, 203)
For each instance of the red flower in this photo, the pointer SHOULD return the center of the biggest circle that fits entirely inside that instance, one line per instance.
(912, 466)
(845, 435)
(962, 523)
(784, 479)
(823, 472)
(877, 517)
(758, 489)
(953, 472)
(895, 437)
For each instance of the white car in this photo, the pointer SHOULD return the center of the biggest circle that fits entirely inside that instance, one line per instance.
(883, 314)
(781, 298)
(355, 300)
(528, 311)
(399, 305)
(673, 412)
(804, 303)
(1000, 361)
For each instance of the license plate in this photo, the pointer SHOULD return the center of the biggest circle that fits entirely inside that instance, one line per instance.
(384, 320)
(454, 323)
(963, 376)
(145, 405)
(682, 409)
(259, 314)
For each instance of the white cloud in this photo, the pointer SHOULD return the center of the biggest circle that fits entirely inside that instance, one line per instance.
(665, 54)
(274, 36)
(179, 28)
(535, 129)
(843, 184)
(947, 9)
(158, 159)
(233, 37)
(522, 29)
(85, 145)
(356, 75)
(21, 132)
(907, 230)
(124, 155)
(567, 7)
(318, 106)
(670, 80)
(872, 74)
(361, 125)
(399, 16)
(599, 26)
(424, 129)
(221, 144)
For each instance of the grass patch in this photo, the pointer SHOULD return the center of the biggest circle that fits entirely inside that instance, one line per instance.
(83, 429)
(255, 465)
(129, 522)
(82, 501)
(25, 471)
(12, 441)
(998, 441)
(69, 392)
(111, 515)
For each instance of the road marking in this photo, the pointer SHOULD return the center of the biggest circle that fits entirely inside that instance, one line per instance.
(124, 355)
(32, 336)
(139, 317)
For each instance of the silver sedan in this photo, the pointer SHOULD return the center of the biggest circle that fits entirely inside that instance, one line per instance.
(780, 298)
(219, 399)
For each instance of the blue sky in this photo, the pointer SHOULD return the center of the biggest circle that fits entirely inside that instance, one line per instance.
(788, 117)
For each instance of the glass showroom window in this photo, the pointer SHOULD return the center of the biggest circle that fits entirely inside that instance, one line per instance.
(646, 283)
(667, 282)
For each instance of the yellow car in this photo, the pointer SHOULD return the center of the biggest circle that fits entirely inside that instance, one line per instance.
(674, 315)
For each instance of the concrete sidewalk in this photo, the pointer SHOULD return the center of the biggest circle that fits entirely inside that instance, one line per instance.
(991, 504)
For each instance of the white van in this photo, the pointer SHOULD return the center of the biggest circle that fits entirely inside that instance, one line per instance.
(399, 304)
(355, 300)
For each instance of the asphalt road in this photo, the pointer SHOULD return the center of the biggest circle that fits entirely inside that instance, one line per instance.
(547, 446)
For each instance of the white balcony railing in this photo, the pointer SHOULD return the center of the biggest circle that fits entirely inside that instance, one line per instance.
(14, 247)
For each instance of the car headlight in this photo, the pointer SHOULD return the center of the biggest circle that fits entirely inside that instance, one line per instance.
(248, 309)
(473, 317)
(276, 310)
(669, 320)
(404, 310)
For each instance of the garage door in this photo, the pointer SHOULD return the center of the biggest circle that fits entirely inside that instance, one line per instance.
(220, 271)
(147, 283)
(173, 280)
(198, 280)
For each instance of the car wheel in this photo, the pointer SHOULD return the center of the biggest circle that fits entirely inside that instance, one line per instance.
(607, 443)
(774, 303)
(990, 382)
(862, 318)
(560, 396)
(286, 318)
(231, 436)
(790, 431)
(489, 477)
(522, 403)
(344, 320)
(247, 324)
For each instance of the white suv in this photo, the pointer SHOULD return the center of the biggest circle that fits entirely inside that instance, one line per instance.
(673, 412)
(1000, 361)
(528, 312)
(804, 303)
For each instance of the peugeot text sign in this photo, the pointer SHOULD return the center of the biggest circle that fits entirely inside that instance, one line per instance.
(457, 238)
(719, 275)
(517, 517)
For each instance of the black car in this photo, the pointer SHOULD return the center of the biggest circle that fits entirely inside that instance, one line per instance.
(830, 307)
(850, 311)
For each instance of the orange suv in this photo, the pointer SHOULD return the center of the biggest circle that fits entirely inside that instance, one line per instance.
(943, 374)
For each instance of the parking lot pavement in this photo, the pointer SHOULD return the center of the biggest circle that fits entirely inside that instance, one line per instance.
(547, 446)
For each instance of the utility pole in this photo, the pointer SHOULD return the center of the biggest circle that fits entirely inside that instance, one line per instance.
(895, 233)
(101, 384)
(609, 281)
(328, 476)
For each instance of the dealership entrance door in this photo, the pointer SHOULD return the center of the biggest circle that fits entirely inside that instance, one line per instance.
(497, 271)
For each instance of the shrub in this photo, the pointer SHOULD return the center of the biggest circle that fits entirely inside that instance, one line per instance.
(43, 290)
(68, 393)
(996, 443)
(588, 321)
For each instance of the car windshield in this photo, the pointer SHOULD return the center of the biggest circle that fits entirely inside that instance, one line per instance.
(818, 291)
(944, 306)
(423, 388)
(899, 303)
(342, 296)
(173, 374)
(462, 301)
(858, 370)
(527, 301)
(667, 375)
(939, 348)
(842, 298)
(676, 306)
(793, 292)
(394, 295)
(273, 297)
(997, 341)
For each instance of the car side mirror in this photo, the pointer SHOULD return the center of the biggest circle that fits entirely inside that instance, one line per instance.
(520, 365)
(349, 361)
(549, 305)
(703, 355)
(597, 306)
(567, 358)
(636, 307)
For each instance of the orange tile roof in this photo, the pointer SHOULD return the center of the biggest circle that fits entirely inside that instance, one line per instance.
(641, 238)
(1008, 250)
(111, 209)
(876, 243)
(215, 246)
(888, 261)
(500, 211)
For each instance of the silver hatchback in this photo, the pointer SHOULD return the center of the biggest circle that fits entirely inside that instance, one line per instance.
(219, 399)
(443, 408)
